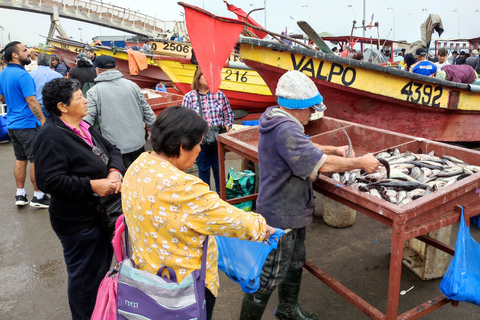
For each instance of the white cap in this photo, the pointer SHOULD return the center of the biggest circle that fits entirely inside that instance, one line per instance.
(297, 91)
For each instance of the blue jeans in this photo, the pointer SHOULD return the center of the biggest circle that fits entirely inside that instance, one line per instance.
(88, 255)
(208, 157)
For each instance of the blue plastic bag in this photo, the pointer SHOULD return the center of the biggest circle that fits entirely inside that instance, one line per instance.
(462, 279)
(243, 260)
(3, 129)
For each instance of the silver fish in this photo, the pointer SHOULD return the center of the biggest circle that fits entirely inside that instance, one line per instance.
(336, 176)
(350, 147)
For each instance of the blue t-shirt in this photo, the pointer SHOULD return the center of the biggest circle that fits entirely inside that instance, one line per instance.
(425, 68)
(15, 85)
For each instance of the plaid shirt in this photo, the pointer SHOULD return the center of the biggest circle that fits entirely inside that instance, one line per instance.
(216, 108)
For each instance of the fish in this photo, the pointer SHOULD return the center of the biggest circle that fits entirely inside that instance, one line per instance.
(336, 176)
(385, 164)
(453, 159)
(350, 147)
(406, 185)
(400, 196)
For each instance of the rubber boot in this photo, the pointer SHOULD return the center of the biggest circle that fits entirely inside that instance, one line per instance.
(288, 308)
(254, 305)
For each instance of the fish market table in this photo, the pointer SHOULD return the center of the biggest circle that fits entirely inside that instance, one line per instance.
(412, 220)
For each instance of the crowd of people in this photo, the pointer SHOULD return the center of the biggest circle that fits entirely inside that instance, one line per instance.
(84, 136)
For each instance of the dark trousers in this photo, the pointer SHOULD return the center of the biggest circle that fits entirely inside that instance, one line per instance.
(208, 157)
(128, 158)
(210, 303)
(88, 256)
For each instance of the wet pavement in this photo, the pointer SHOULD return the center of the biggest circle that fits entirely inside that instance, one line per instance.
(33, 280)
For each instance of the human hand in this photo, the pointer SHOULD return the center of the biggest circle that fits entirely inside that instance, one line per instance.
(270, 232)
(116, 178)
(369, 163)
(104, 187)
(342, 152)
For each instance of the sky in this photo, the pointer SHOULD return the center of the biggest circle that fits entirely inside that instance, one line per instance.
(398, 20)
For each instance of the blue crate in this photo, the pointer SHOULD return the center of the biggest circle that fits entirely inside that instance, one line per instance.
(250, 123)
(475, 221)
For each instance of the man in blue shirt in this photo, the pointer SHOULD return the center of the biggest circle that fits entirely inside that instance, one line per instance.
(42, 75)
(423, 66)
(24, 115)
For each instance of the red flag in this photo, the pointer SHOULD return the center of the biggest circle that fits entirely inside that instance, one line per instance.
(212, 41)
(371, 23)
(242, 16)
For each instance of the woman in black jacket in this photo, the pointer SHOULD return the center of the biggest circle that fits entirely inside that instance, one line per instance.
(77, 166)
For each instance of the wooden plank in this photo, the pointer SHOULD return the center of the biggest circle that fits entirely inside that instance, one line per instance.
(314, 36)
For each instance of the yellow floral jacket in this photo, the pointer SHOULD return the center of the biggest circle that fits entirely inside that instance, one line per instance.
(168, 214)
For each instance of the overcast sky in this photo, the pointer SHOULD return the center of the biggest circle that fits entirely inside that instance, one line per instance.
(324, 16)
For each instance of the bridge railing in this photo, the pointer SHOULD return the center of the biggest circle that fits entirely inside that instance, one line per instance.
(117, 14)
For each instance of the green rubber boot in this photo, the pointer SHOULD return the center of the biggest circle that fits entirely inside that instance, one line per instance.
(254, 305)
(288, 308)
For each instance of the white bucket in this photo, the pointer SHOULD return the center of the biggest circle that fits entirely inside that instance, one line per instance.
(337, 215)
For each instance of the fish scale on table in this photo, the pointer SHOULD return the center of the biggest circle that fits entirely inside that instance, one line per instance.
(407, 176)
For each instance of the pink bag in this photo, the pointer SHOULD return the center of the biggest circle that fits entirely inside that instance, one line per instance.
(106, 303)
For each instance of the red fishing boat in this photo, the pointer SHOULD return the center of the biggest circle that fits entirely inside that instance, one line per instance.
(374, 95)
(148, 78)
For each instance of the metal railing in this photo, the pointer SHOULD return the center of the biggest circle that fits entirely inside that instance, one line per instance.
(116, 15)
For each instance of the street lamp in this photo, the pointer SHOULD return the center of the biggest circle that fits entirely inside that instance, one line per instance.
(458, 16)
(80, 29)
(393, 12)
(354, 16)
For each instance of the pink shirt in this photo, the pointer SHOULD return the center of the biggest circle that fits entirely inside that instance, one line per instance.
(84, 127)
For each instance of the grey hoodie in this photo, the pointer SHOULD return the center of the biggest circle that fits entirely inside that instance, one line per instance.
(122, 110)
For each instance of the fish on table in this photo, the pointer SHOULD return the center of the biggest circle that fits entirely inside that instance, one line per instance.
(407, 176)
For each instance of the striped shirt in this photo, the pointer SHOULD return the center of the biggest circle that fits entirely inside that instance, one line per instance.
(216, 108)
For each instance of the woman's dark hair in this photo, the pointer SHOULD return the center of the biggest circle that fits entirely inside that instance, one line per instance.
(175, 127)
(59, 90)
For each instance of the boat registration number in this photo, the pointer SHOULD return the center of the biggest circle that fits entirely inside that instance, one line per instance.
(235, 76)
(171, 46)
(425, 94)
(67, 47)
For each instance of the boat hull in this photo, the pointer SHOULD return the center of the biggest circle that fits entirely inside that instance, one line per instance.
(244, 88)
(364, 93)
(147, 78)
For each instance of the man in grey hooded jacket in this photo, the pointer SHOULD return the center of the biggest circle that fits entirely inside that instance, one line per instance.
(121, 108)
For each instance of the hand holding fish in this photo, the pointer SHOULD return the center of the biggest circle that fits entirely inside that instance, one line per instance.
(342, 152)
(369, 163)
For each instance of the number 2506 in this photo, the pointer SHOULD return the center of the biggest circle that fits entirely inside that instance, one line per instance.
(427, 93)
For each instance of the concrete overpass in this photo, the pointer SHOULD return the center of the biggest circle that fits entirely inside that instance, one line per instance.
(99, 13)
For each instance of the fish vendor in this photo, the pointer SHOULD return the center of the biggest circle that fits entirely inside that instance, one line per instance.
(289, 163)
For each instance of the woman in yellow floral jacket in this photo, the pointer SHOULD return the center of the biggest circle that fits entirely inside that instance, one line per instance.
(169, 212)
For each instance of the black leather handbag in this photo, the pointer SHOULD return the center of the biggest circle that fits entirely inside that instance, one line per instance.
(211, 137)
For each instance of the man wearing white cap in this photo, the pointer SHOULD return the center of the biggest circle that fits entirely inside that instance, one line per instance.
(289, 163)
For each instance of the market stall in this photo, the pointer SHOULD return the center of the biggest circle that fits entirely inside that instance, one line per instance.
(412, 220)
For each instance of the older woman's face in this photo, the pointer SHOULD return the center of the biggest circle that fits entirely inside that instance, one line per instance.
(187, 159)
(78, 107)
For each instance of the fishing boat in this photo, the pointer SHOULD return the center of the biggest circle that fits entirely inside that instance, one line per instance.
(244, 87)
(148, 78)
(372, 94)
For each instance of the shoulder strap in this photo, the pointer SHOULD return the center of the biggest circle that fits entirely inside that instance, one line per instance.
(199, 100)
(203, 267)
